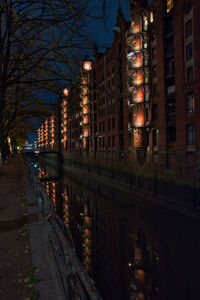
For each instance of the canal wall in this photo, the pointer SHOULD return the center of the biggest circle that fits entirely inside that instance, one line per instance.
(178, 195)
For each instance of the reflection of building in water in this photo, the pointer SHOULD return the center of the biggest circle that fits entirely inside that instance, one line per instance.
(54, 193)
(139, 254)
(140, 279)
(87, 239)
(66, 207)
(110, 252)
(47, 187)
(76, 222)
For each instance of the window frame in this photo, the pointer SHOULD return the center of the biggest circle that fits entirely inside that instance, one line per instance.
(155, 134)
(190, 102)
(187, 34)
(154, 112)
(189, 48)
(190, 74)
(190, 130)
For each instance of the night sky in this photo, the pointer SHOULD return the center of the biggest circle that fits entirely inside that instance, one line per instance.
(100, 31)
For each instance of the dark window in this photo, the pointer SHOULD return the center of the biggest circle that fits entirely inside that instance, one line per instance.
(188, 28)
(168, 26)
(121, 140)
(155, 137)
(188, 7)
(189, 51)
(113, 141)
(130, 139)
(171, 108)
(153, 37)
(189, 74)
(190, 134)
(154, 90)
(169, 66)
(172, 134)
(154, 71)
(113, 123)
(103, 141)
(108, 124)
(103, 125)
(100, 126)
(153, 53)
(169, 45)
(154, 112)
(109, 141)
(113, 107)
(190, 103)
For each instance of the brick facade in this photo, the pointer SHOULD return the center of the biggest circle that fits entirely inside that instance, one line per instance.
(142, 94)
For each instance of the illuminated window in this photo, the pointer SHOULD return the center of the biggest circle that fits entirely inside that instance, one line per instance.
(151, 17)
(146, 76)
(136, 135)
(145, 23)
(170, 5)
(190, 134)
(190, 103)
(145, 41)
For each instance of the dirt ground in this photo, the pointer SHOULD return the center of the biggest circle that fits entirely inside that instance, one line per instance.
(15, 254)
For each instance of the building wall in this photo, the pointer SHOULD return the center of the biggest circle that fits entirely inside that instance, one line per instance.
(168, 139)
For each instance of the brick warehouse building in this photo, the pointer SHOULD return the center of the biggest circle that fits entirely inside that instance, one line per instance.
(140, 106)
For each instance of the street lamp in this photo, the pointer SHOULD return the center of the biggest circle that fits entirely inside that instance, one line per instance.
(87, 65)
(65, 92)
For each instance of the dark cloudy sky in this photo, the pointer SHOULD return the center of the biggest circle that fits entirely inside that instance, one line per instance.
(101, 29)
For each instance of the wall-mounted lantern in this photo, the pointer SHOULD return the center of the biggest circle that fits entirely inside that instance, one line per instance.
(65, 92)
(87, 65)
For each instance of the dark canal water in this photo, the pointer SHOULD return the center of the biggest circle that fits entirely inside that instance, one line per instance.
(131, 250)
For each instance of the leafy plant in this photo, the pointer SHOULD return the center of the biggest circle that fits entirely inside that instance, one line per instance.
(30, 280)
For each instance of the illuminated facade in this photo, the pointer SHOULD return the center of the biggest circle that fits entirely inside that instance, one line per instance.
(138, 77)
(137, 102)
(41, 136)
(66, 207)
(52, 131)
(87, 239)
(85, 104)
(64, 118)
(46, 133)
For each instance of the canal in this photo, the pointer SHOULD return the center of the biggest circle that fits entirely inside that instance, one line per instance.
(130, 249)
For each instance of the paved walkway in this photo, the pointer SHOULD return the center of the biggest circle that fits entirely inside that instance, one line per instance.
(15, 256)
(18, 250)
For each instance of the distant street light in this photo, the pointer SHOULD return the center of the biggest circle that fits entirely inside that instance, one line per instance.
(65, 92)
(87, 65)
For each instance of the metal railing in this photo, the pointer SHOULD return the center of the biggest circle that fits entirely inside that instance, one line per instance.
(75, 280)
